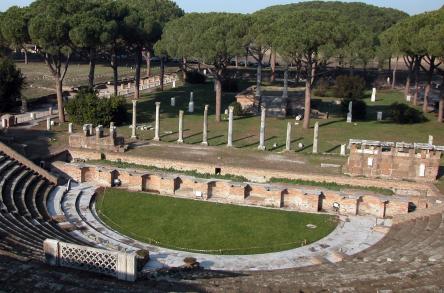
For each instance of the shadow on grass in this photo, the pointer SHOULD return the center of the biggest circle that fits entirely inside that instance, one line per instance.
(256, 143)
(333, 149)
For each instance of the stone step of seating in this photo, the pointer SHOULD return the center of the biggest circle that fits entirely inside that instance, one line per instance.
(16, 233)
(31, 198)
(54, 201)
(11, 186)
(8, 175)
(70, 206)
(26, 194)
(19, 200)
(43, 230)
(41, 200)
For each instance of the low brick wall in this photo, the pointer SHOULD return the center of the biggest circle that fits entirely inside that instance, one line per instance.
(261, 175)
(267, 195)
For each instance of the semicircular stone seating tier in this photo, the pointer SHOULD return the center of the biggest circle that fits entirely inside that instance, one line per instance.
(24, 219)
(352, 235)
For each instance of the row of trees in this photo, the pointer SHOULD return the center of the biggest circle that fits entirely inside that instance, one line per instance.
(89, 29)
(308, 35)
(419, 40)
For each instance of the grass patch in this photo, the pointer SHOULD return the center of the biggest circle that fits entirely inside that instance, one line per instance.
(192, 173)
(331, 185)
(206, 227)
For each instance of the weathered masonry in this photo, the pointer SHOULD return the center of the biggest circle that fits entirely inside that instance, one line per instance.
(297, 198)
(390, 160)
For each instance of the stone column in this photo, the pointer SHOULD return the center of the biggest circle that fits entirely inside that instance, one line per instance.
(431, 139)
(373, 99)
(230, 126)
(288, 141)
(343, 150)
(180, 139)
(316, 138)
(70, 128)
(157, 129)
(285, 92)
(262, 130)
(205, 127)
(133, 133)
(48, 124)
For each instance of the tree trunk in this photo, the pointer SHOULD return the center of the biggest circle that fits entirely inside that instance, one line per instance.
(441, 103)
(184, 68)
(394, 73)
(390, 63)
(429, 84)
(162, 72)
(311, 71)
(60, 104)
(417, 68)
(115, 73)
(137, 75)
(148, 64)
(92, 67)
(259, 79)
(218, 99)
(273, 66)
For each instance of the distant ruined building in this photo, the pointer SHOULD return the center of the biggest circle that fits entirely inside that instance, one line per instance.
(390, 160)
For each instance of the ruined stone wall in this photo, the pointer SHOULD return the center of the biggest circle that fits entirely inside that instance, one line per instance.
(277, 196)
(260, 175)
(393, 163)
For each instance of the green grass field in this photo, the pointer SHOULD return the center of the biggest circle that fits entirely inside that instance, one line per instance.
(211, 228)
(333, 132)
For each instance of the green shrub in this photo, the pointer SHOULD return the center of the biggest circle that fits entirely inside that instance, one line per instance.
(237, 111)
(11, 84)
(404, 114)
(87, 107)
(349, 87)
(359, 108)
(195, 77)
(230, 85)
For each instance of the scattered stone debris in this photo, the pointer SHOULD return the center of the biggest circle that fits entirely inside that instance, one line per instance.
(311, 226)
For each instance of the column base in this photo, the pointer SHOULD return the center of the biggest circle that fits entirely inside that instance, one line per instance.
(134, 137)
(261, 148)
(204, 143)
(180, 141)
(156, 139)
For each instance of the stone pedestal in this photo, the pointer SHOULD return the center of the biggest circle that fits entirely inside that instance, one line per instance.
(174, 84)
(262, 130)
(288, 140)
(316, 138)
(431, 139)
(157, 127)
(379, 116)
(173, 102)
(343, 150)
(408, 98)
(205, 127)
(33, 116)
(134, 125)
(180, 139)
(70, 128)
(230, 126)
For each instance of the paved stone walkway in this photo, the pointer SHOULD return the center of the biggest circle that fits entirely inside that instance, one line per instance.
(352, 235)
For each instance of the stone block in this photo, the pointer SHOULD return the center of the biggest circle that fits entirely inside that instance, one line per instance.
(51, 250)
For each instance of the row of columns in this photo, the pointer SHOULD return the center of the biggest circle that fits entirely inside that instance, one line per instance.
(261, 146)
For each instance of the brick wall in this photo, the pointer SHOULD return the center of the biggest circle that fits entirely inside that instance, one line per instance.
(269, 195)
